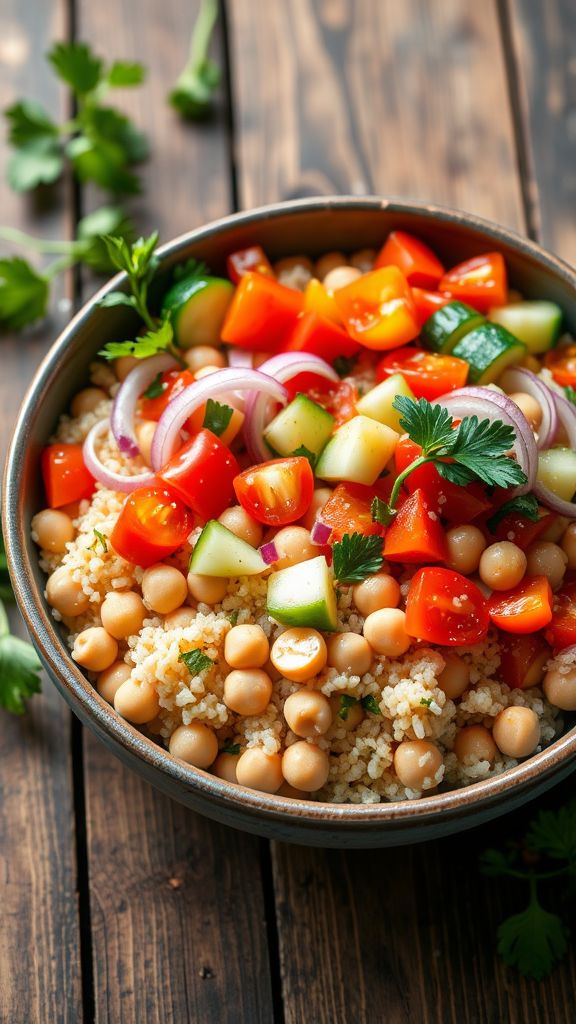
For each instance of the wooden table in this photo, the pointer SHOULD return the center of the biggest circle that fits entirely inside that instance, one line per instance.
(115, 904)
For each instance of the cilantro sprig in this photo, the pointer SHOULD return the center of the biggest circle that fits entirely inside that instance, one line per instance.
(217, 417)
(196, 661)
(535, 939)
(193, 92)
(525, 505)
(355, 557)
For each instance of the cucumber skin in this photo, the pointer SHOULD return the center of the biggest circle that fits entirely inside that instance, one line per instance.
(304, 411)
(318, 614)
(539, 330)
(178, 296)
(486, 344)
(442, 331)
(214, 533)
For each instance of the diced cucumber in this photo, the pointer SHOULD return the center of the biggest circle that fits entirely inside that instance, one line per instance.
(302, 423)
(219, 552)
(357, 452)
(537, 324)
(557, 471)
(377, 403)
(443, 330)
(197, 307)
(303, 595)
(489, 350)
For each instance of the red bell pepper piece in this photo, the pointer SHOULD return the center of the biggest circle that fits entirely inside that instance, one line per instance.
(456, 504)
(262, 315)
(378, 309)
(481, 281)
(445, 608)
(348, 510)
(427, 374)
(524, 609)
(314, 333)
(416, 260)
(522, 658)
(66, 478)
(415, 535)
(250, 260)
(201, 473)
(152, 524)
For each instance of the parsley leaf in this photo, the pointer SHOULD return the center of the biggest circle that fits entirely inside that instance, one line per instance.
(233, 616)
(370, 704)
(124, 73)
(148, 344)
(356, 557)
(305, 453)
(23, 293)
(344, 365)
(217, 417)
(196, 661)
(76, 64)
(192, 93)
(38, 162)
(523, 505)
(554, 833)
(190, 268)
(100, 539)
(346, 702)
(380, 511)
(156, 388)
(90, 247)
(231, 748)
(27, 122)
(533, 941)
(19, 669)
(426, 701)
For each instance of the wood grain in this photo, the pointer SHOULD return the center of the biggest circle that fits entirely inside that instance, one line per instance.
(39, 931)
(178, 920)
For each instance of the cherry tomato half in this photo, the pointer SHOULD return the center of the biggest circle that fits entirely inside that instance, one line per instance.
(524, 609)
(153, 523)
(445, 608)
(202, 474)
(427, 374)
(276, 492)
(65, 476)
(481, 281)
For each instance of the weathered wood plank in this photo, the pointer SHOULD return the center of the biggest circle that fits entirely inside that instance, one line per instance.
(39, 931)
(178, 920)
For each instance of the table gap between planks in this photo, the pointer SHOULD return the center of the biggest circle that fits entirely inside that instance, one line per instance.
(130, 907)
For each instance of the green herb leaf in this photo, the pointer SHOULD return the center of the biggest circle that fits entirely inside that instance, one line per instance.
(381, 512)
(107, 220)
(344, 365)
(38, 162)
(124, 73)
(117, 299)
(19, 669)
(148, 344)
(428, 425)
(570, 394)
(217, 417)
(100, 539)
(156, 388)
(138, 259)
(346, 702)
(104, 163)
(554, 833)
(356, 557)
(233, 616)
(106, 125)
(495, 863)
(192, 94)
(23, 293)
(27, 122)
(524, 505)
(533, 941)
(196, 661)
(426, 701)
(190, 269)
(305, 453)
(370, 704)
(76, 64)
(231, 748)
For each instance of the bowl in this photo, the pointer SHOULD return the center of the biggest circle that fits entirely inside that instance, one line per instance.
(309, 226)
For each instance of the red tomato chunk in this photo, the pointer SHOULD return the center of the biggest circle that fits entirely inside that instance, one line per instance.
(445, 608)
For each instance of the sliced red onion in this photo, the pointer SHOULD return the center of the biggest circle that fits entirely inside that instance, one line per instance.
(282, 367)
(124, 408)
(567, 417)
(320, 533)
(520, 379)
(269, 552)
(173, 418)
(115, 481)
(491, 405)
(238, 357)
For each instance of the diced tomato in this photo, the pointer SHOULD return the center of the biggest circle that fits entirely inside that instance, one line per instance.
(338, 398)
(481, 281)
(562, 365)
(202, 474)
(427, 374)
(317, 299)
(314, 333)
(262, 315)
(276, 492)
(524, 609)
(523, 532)
(415, 535)
(348, 510)
(445, 608)
(378, 309)
(561, 632)
(172, 383)
(427, 303)
(522, 658)
(416, 260)
(253, 259)
(451, 502)
(152, 524)
(65, 476)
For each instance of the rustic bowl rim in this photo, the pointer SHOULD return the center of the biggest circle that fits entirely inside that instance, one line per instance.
(79, 691)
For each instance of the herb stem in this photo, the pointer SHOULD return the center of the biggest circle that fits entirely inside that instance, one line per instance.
(41, 245)
(420, 461)
(203, 28)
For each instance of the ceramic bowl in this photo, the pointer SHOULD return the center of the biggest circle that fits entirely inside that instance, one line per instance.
(309, 226)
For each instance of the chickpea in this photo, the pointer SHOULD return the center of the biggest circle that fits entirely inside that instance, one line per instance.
(385, 631)
(164, 588)
(111, 679)
(560, 689)
(95, 649)
(87, 400)
(465, 546)
(530, 407)
(293, 545)
(65, 594)
(225, 767)
(329, 261)
(239, 522)
(308, 713)
(137, 702)
(547, 559)
(203, 355)
(195, 743)
(475, 742)
(299, 653)
(206, 589)
(349, 652)
(516, 731)
(319, 499)
(354, 712)
(364, 259)
(339, 277)
(455, 676)
(53, 530)
(555, 531)
(381, 591)
(124, 365)
(122, 613)
(246, 647)
(180, 619)
(502, 565)
(416, 763)
(294, 271)
(569, 545)
(205, 371)
(305, 766)
(258, 770)
(145, 430)
(247, 691)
